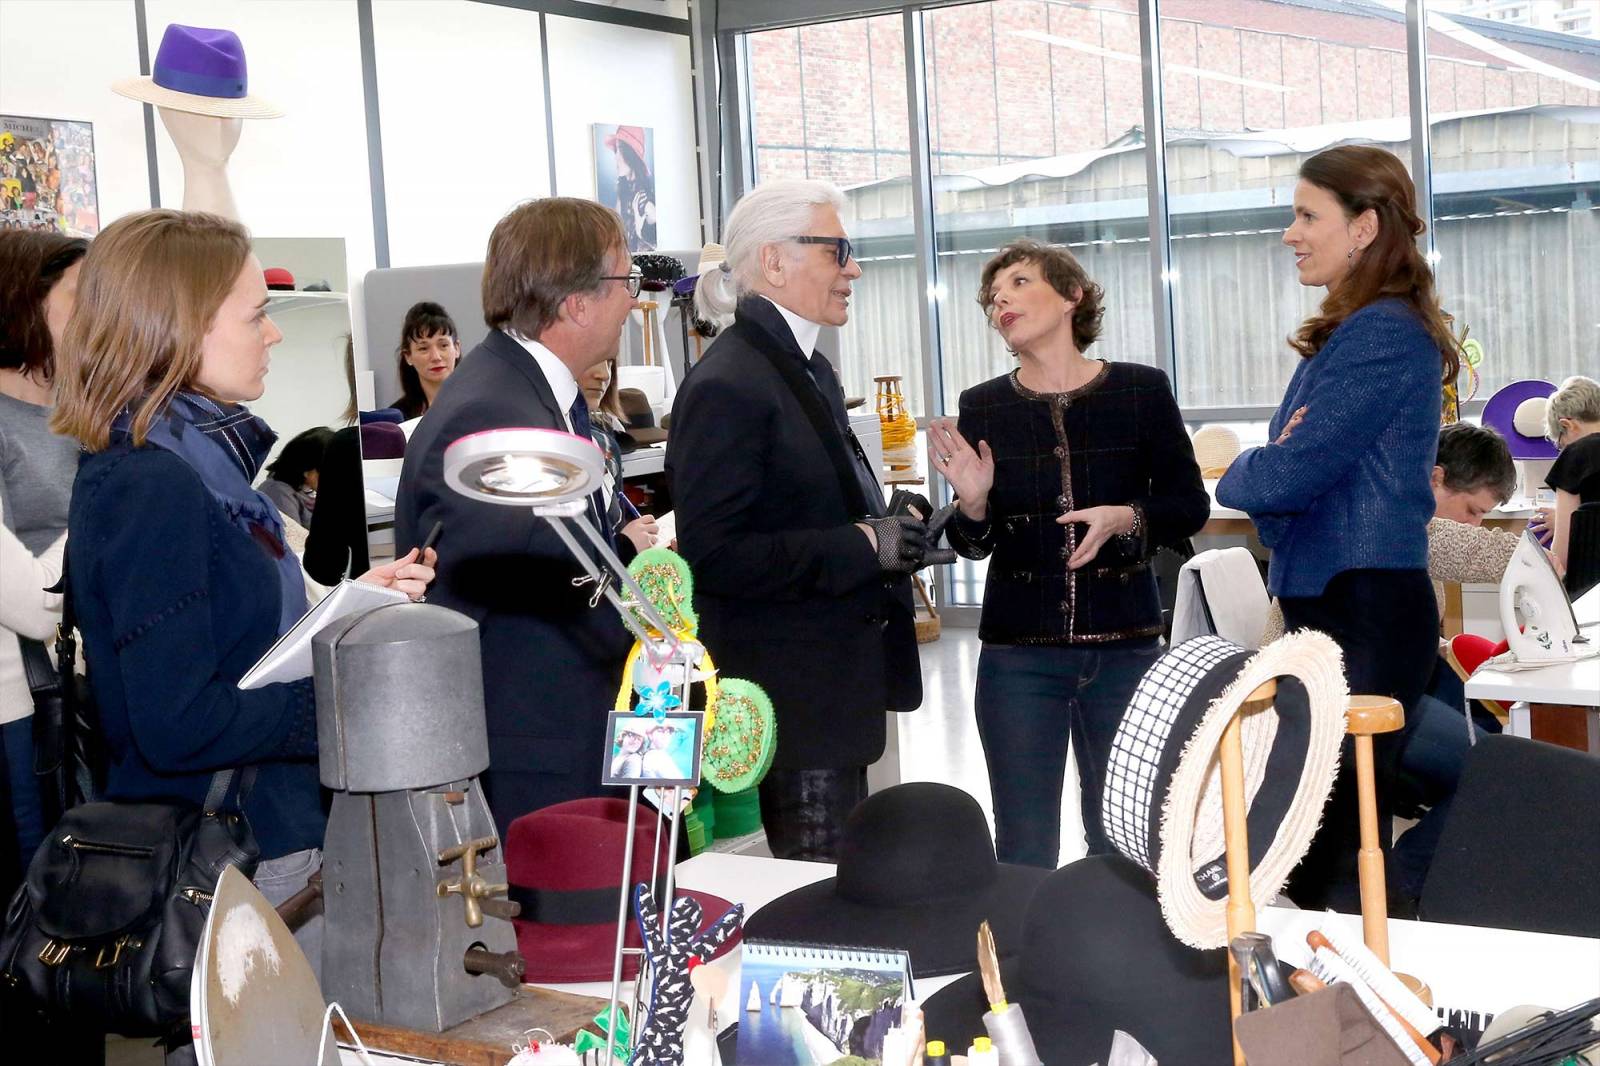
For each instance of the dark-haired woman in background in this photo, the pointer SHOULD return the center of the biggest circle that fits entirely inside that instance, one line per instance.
(631, 532)
(38, 280)
(429, 348)
(291, 481)
(1069, 472)
(1343, 493)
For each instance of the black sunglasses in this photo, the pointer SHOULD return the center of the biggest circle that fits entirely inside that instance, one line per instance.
(841, 245)
(634, 278)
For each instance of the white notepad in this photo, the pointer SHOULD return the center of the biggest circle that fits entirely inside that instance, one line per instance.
(289, 659)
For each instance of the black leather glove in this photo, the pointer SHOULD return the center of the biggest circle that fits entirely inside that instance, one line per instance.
(935, 555)
(902, 542)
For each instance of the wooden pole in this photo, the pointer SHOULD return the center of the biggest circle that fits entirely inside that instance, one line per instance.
(1368, 716)
(1236, 833)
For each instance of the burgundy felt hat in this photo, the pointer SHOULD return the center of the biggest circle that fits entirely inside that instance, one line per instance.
(564, 864)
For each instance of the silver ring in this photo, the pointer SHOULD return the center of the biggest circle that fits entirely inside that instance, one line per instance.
(944, 458)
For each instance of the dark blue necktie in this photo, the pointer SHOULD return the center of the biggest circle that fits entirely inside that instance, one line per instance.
(578, 414)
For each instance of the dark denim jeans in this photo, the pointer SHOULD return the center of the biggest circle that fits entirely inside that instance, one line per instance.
(1030, 700)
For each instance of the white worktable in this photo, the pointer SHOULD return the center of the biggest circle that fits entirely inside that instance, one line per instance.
(1572, 683)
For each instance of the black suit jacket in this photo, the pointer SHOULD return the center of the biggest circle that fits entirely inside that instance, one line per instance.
(789, 591)
(551, 664)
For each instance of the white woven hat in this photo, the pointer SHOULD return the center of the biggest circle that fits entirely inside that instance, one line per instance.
(1162, 804)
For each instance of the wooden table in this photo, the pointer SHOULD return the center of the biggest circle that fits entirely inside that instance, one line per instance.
(487, 1039)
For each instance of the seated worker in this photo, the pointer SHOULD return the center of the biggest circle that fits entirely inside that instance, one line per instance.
(1573, 416)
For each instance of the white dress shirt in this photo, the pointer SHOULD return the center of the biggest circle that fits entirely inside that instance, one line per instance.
(805, 331)
(560, 379)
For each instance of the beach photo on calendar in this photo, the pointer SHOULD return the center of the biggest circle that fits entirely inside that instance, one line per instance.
(815, 1005)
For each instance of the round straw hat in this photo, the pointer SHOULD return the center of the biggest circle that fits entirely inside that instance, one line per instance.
(1162, 804)
(200, 71)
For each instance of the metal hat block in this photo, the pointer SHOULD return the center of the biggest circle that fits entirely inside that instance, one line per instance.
(399, 699)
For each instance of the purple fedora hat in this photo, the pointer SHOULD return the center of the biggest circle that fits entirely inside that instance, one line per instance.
(201, 71)
(1516, 412)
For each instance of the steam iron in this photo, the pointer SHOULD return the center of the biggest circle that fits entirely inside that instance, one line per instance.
(1537, 613)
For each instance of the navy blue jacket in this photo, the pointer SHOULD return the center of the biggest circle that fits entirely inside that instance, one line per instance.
(551, 663)
(175, 604)
(1350, 488)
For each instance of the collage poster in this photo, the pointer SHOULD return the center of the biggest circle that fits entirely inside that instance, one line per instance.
(47, 179)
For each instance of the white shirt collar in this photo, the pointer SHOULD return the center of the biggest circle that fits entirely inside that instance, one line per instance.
(805, 331)
(562, 383)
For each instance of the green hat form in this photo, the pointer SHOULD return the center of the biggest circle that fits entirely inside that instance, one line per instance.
(742, 739)
(668, 585)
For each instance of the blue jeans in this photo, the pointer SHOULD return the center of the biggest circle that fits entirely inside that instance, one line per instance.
(27, 812)
(1030, 700)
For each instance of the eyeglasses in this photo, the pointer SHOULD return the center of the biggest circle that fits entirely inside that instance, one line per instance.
(841, 245)
(634, 278)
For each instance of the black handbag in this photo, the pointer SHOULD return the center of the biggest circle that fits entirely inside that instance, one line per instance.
(105, 927)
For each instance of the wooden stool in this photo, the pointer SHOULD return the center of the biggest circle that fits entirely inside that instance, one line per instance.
(1369, 716)
(1236, 832)
(649, 308)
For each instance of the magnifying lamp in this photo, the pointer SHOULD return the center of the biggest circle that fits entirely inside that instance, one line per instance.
(554, 473)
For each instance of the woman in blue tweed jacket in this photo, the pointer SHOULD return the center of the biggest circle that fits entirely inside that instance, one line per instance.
(1342, 494)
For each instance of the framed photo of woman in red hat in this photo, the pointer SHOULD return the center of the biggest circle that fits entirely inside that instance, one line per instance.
(625, 179)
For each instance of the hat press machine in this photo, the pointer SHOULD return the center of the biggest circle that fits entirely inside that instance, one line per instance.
(418, 931)
(553, 474)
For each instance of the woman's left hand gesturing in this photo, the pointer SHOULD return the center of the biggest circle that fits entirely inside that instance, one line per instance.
(1103, 522)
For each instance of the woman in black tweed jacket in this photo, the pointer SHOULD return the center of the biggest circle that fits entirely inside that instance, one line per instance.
(1082, 467)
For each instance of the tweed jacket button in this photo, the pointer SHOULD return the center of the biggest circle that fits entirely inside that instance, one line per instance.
(1061, 451)
(1063, 503)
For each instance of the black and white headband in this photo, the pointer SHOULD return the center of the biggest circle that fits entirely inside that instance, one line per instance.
(1162, 803)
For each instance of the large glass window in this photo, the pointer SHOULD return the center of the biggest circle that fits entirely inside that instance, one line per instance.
(1250, 91)
(829, 101)
(1034, 116)
(1515, 134)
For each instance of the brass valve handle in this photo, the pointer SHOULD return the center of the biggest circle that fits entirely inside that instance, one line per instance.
(471, 887)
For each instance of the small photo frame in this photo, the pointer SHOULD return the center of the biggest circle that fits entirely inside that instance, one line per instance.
(653, 752)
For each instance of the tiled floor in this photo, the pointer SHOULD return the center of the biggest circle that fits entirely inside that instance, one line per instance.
(939, 742)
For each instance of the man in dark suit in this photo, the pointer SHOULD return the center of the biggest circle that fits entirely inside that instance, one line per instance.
(801, 580)
(557, 287)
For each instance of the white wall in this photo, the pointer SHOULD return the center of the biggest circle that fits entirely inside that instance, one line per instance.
(461, 100)
(58, 59)
(604, 73)
(303, 175)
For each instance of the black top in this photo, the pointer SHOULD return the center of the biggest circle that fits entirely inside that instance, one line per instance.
(1577, 469)
(1119, 439)
(789, 591)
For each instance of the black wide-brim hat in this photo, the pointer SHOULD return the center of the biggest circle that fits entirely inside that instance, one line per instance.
(1096, 957)
(917, 873)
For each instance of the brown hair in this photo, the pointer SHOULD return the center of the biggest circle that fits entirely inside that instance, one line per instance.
(151, 287)
(31, 263)
(542, 252)
(611, 399)
(1065, 275)
(1364, 178)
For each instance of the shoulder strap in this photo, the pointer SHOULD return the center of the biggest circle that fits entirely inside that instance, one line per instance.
(809, 397)
(221, 780)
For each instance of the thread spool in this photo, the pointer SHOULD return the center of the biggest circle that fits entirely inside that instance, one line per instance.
(936, 1054)
(983, 1053)
(1008, 1031)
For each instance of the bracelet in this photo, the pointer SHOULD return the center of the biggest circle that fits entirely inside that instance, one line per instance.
(1137, 529)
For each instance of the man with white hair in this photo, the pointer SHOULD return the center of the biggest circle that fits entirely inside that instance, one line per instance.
(801, 579)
